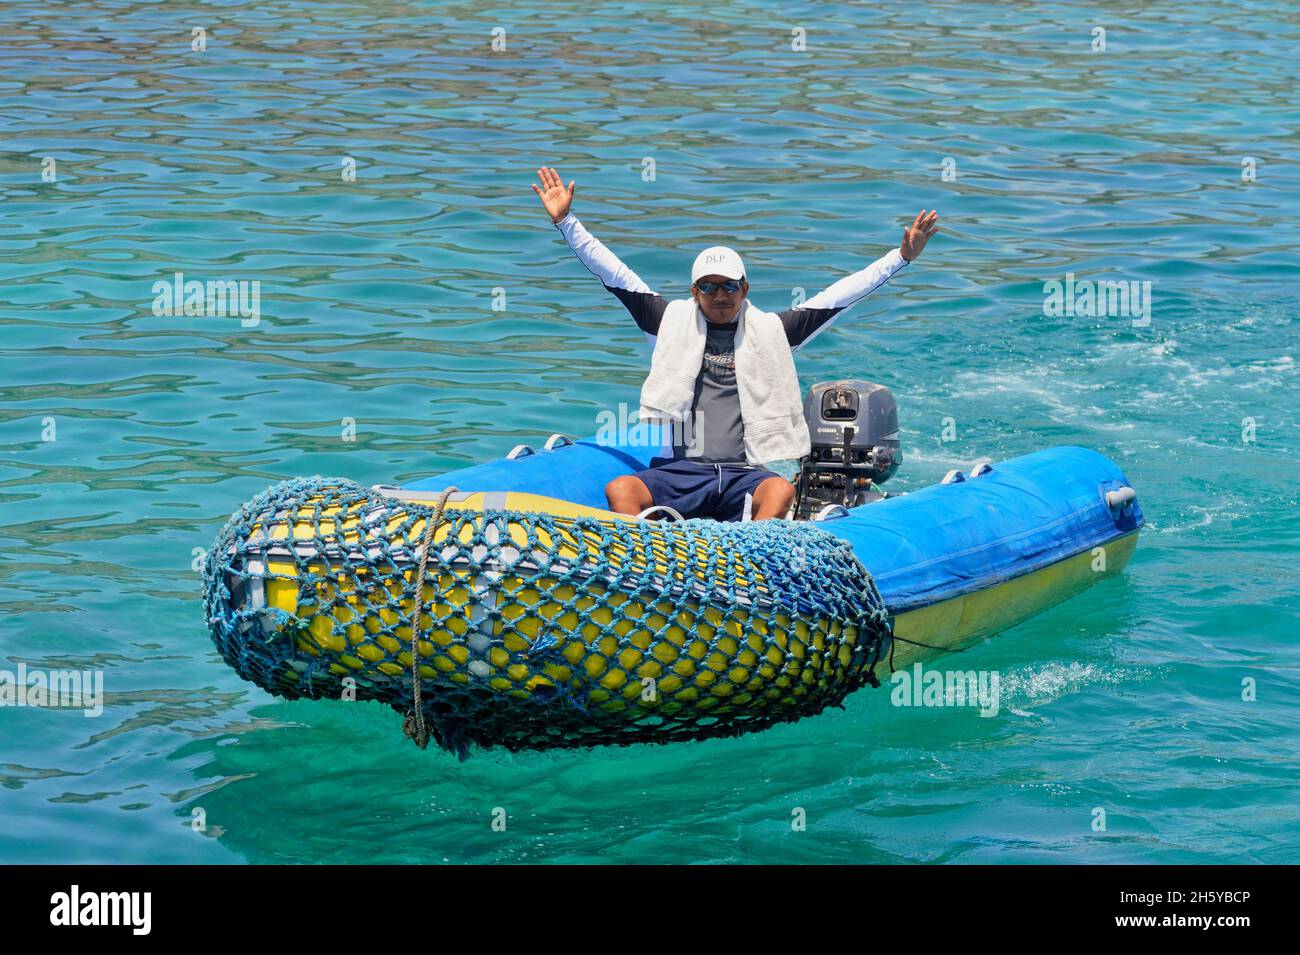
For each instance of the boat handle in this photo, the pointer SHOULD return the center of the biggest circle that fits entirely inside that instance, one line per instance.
(519, 451)
(551, 442)
(953, 477)
(670, 511)
(832, 511)
(1120, 497)
(981, 470)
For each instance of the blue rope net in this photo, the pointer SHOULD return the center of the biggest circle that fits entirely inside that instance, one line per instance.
(539, 631)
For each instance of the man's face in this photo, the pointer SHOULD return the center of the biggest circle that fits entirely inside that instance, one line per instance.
(719, 305)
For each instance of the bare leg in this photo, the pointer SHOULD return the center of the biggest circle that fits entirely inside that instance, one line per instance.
(772, 498)
(628, 495)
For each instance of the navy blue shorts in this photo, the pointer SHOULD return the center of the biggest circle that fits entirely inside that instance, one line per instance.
(720, 491)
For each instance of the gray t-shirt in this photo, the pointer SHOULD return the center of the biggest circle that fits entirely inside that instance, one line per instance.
(717, 432)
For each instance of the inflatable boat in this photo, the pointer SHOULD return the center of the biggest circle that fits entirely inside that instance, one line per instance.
(540, 619)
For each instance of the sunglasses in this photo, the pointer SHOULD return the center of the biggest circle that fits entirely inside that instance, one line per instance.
(708, 288)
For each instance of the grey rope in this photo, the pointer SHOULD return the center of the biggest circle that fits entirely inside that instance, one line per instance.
(413, 726)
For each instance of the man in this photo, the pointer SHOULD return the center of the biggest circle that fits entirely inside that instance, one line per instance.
(722, 374)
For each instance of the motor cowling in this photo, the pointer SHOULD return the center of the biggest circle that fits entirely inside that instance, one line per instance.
(855, 445)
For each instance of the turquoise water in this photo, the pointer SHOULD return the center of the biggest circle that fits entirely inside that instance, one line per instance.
(377, 306)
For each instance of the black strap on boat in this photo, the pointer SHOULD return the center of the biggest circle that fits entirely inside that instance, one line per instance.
(894, 638)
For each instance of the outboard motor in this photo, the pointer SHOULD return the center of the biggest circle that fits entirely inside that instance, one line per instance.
(854, 428)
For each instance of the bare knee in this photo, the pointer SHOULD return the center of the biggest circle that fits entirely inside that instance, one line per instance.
(772, 498)
(628, 495)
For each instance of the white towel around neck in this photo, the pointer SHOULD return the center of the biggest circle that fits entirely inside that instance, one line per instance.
(771, 404)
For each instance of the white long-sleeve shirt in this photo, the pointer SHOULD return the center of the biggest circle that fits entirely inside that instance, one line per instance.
(802, 324)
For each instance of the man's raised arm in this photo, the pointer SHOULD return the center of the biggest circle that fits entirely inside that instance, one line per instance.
(806, 322)
(645, 305)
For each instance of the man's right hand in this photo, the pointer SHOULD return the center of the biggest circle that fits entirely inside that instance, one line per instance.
(554, 196)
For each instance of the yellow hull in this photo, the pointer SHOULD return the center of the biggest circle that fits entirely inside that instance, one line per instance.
(956, 623)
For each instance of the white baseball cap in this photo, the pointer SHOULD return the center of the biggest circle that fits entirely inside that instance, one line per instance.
(717, 260)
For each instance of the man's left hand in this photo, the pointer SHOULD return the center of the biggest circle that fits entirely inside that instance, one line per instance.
(918, 234)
